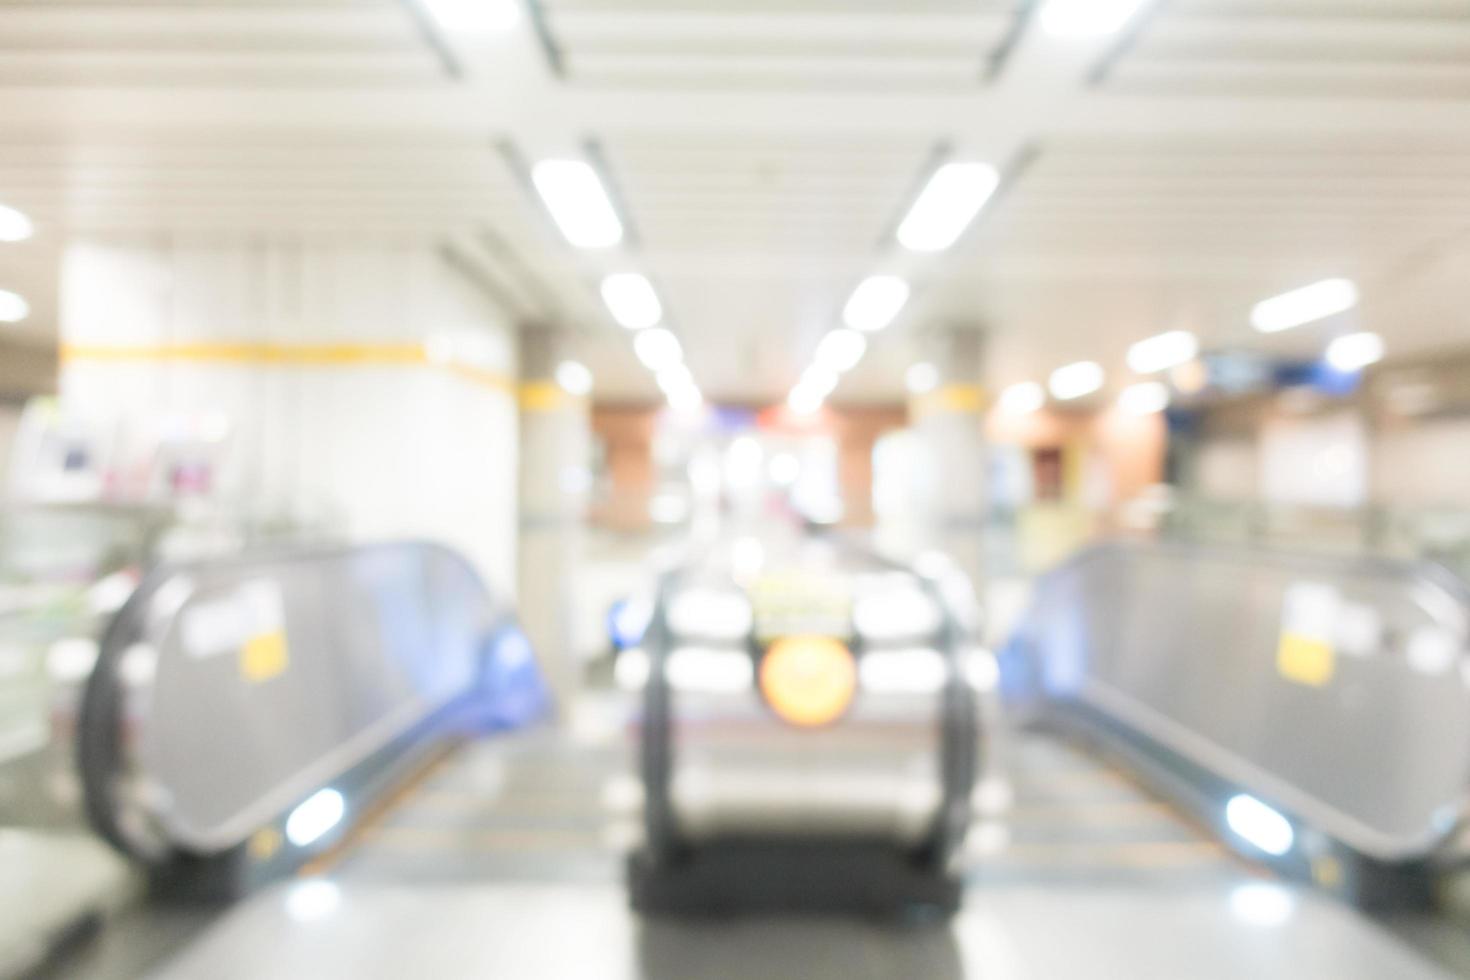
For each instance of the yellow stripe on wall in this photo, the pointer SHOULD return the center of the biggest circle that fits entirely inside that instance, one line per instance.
(286, 355)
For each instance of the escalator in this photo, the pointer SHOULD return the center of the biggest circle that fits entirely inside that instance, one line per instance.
(1097, 845)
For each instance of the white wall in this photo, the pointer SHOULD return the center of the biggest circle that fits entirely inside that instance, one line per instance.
(395, 450)
(1426, 462)
(9, 422)
(1319, 461)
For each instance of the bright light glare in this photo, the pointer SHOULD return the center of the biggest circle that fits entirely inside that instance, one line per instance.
(895, 614)
(1087, 18)
(658, 349)
(875, 302)
(947, 205)
(1260, 825)
(805, 401)
(1022, 399)
(631, 299)
(1146, 398)
(710, 671)
(1261, 903)
(574, 377)
(578, 203)
(312, 900)
(918, 671)
(820, 380)
(784, 469)
(14, 226)
(687, 401)
(841, 350)
(712, 613)
(1355, 351)
(13, 307)
(1167, 350)
(474, 16)
(922, 378)
(311, 821)
(632, 669)
(1076, 380)
(1301, 306)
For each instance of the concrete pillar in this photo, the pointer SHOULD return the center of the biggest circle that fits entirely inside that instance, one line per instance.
(555, 476)
(950, 425)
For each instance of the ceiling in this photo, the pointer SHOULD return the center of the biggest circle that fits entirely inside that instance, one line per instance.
(1214, 153)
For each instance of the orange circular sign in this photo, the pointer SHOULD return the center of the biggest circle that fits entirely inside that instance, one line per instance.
(808, 680)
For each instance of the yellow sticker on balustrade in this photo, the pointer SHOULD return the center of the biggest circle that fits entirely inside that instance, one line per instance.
(1305, 660)
(1305, 653)
(264, 656)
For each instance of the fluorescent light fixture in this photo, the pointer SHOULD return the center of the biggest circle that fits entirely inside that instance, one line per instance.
(631, 299)
(574, 377)
(13, 307)
(820, 380)
(841, 350)
(1301, 306)
(875, 302)
(1022, 399)
(313, 819)
(1087, 18)
(658, 349)
(1258, 824)
(686, 401)
(1145, 398)
(710, 671)
(1355, 351)
(674, 377)
(14, 226)
(474, 16)
(1167, 350)
(947, 205)
(578, 203)
(1076, 380)
(805, 401)
(921, 378)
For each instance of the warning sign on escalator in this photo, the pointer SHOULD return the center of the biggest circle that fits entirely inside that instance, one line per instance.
(1305, 653)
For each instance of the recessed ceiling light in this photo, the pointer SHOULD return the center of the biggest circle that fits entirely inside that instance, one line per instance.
(474, 16)
(1022, 399)
(1167, 350)
(1306, 305)
(1087, 18)
(921, 378)
(947, 205)
(841, 350)
(578, 203)
(13, 307)
(14, 225)
(1355, 351)
(574, 377)
(632, 300)
(1146, 398)
(875, 302)
(1076, 380)
(658, 349)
